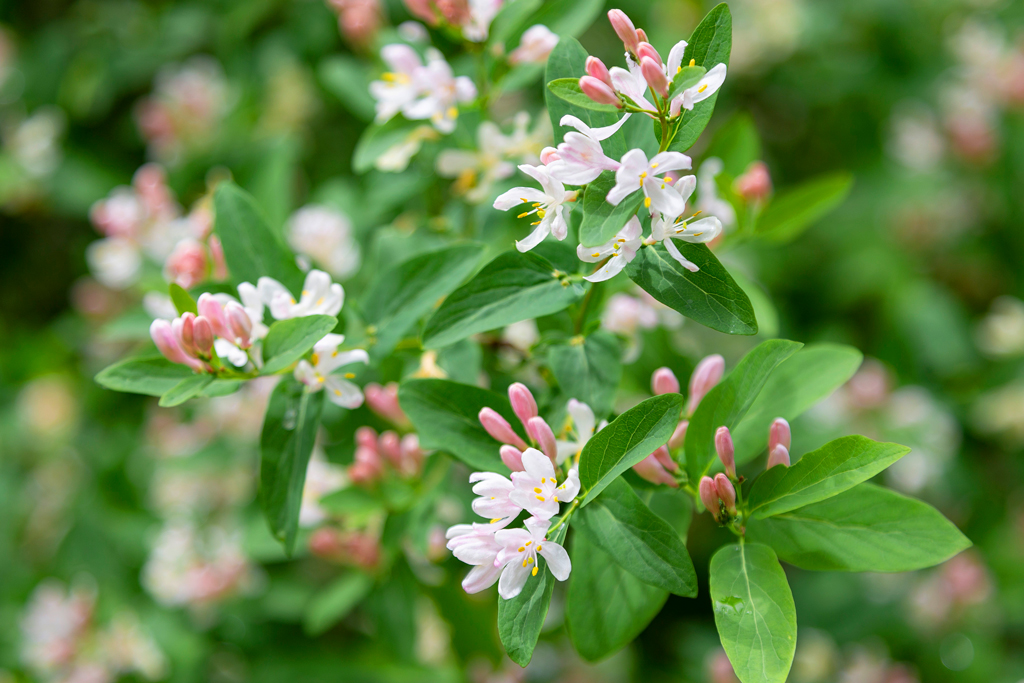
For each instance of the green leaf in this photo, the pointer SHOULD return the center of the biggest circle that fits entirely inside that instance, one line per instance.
(222, 387)
(601, 220)
(273, 183)
(566, 17)
(510, 288)
(569, 90)
(607, 607)
(401, 295)
(289, 340)
(568, 60)
(153, 376)
(183, 301)
(710, 296)
(521, 618)
(251, 248)
(730, 400)
(754, 612)
(347, 78)
(835, 467)
(445, 416)
(793, 211)
(332, 604)
(286, 442)
(710, 44)
(627, 440)
(185, 389)
(865, 529)
(589, 369)
(807, 377)
(686, 77)
(378, 139)
(638, 540)
(353, 503)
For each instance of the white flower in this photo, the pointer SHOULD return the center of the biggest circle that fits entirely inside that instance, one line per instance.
(478, 170)
(420, 91)
(705, 88)
(619, 251)
(475, 544)
(493, 502)
(631, 83)
(536, 490)
(319, 297)
(708, 200)
(518, 556)
(583, 423)
(666, 228)
(116, 262)
(481, 14)
(326, 359)
(581, 157)
(397, 157)
(636, 172)
(397, 88)
(534, 47)
(324, 235)
(547, 204)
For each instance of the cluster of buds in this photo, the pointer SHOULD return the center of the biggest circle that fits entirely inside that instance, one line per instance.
(351, 548)
(779, 441)
(402, 453)
(190, 339)
(719, 497)
(358, 20)
(383, 400)
(539, 431)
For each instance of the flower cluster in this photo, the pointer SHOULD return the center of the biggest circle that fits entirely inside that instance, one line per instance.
(420, 91)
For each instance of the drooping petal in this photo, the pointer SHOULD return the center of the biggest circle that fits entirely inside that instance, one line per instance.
(513, 578)
(704, 230)
(559, 225)
(538, 465)
(517, 196)
(610, 269)
(557, 559)
(305, 373)
(663, 198)
(673, 250)
(480, 578)
(536, 237)
(342, 392)
(569, 488)
(670, 161)
(582, 418)
(685, 186)
(675, 59)
(537, 527)
(602, 133)
(339, 359)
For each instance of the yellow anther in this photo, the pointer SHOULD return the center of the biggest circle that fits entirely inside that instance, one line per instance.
(319, 301)
(524, 563)
(334, 353)
(536, 203)
(495, 520)
(540, 498)
(525, 200)
(529, 542)
(554, 498)
(350, 375)
(529, 560)
(621, 239)
(293, 302)
(306, 292)
(522, 550)
(647, 202)
(615, 246)
(540, 547)
(534, 572)
(678, 69)
(697, 214)
(453, 113)
(315, 358)
(596, 254)
(537, 490)
(542, 480)
(702, 88)
(535, 223)
(643, 175)
(523, 214)
(654, 165)
(337, 392)
(693, 62)
(540, 213)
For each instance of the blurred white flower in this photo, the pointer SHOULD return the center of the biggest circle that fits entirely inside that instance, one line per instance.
(324, 236)
(915, 139)
(35, 141)
(534, 47)
(322, 478)
(114, 261)
(1001, 332)
(708, 200)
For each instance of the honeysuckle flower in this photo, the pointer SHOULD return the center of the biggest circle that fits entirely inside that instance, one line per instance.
(619, 251)
(534, 47)
(397, 88)
(420, 91)
(536, 490)
(316, 372)
(657, 467)
(481, 13)
(116, 262)
(666, 228)
(518, 556)
(580, 156)
(475, 544)
(708, 200)
(494, 501)
(636, 172)
(632, 84)
(478, 170)
(319, 297)
(705, 88)
(324, 236)
(548, 204)
(583, 423)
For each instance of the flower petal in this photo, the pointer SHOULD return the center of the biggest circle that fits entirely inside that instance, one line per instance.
(342, 392)
(683, 261)
(513, 578)
(557, 559)
(481, 578)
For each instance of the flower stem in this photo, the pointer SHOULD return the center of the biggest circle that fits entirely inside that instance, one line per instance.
(564, 518)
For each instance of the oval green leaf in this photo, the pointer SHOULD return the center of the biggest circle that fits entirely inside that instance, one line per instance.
(288, 340)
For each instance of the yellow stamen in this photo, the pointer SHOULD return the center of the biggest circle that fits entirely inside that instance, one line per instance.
(529, 560)
(524, 214)
(540, 498)
(697, 214)
(334, 353)
(495, 520)
(647, 202)
(643, 175)
(540, 547)
(337, 392)
(596, 254)
(693, 62)
(522, 550)
(524, 563)
(315, 358)
(537, 490)
(702, 88)
(529, 542)
(542, 480)
(654, 165)
(453, 113)
(534, 572)
(540, 213)
(319, 301)
(554, 498)
(350, 375)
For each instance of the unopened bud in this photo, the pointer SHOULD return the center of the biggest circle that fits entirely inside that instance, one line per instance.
(183, 329)
(596, 68)
(705, 376)
(326, 542)
(755, 184)
(423, 9)
(383, 400)
(665, 458)
(499, 428)
(523, 403)
(548, 155)
(512, 457)
(726, 492)
(624, 29)
(654, 76)
(709, 495)
(599, 91)
(651, 469)
(202, 334)
(366, 437)
(664, 381)
(412, 454)
(390, 446)
(726, 450)
(540, 431)
(213, 311)
(678, 437)
(645, 49)
(641, 35)
(166, 341)
(240, 324)
(779, 433)
(778, 456)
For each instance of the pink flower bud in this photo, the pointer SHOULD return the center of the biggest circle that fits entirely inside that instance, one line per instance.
(239, 323)
(183, 330)
(523, 403)
(755, 184)
(540, 431)
(383, 400)
(726, 450)
(624, 29)
(202, 333)
(779, 433)
(455, 12)
(726, 492)
(366, 437)
(512, 457)
(664, 381)
(645, 49)
(654, 76)
(709, 495)
(166, 341)
(325, 542)
(596, 68)
(220, 266)
(678, 437)
(548, 155)
(599, 91)
(412, 455)
(188, 264)
(778, 456)
(368, 466)
(653, 471)
(641, 35)
(705, 376)
(665, 458)
(422, 9)
(499, 428)
(213, 310)
(390, 446)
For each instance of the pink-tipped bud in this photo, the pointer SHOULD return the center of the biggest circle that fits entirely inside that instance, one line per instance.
(540, 431)
(596, 68)
(709, 495)
(651, 469)
(548, 155)
(756, 182)
(665, 458)
(184, 330)
(412, 455)
(726, 450)
(678, 437)
(499, 428)
(705, 376)
(779, 433)
(512, 457)
(778, 456)
(726, 492)
(166, 341)
(624, 29)
(645, 49)
(366, 437)
(599, 91)
(202, 334)
(326, 542)
(641, 35)
(239, 323)
(383, 400)
(664, 381)
(654, 76)
(213, 310)
(523, 403)
(390, 446)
